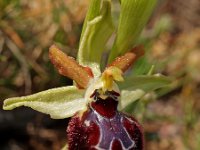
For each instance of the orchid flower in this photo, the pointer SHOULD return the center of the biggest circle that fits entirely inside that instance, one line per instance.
(98, 97)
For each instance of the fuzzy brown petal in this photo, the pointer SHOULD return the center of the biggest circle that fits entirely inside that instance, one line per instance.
(125, 61)
(67, 66)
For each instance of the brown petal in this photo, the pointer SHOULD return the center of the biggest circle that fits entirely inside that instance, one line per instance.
(68, 67)
(125, 61)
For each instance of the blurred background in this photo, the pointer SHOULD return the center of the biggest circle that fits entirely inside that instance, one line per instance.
(170, 118)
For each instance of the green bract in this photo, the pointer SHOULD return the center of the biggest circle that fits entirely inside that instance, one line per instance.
(133, 17)
(98, 27)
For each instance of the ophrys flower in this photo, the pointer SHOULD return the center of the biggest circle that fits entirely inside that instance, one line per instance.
(98, 100)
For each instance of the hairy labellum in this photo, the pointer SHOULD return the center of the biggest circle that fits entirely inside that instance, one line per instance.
(102, 127)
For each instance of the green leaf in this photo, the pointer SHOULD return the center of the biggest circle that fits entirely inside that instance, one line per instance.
(129, 97)
(141, 66)
(96, 33)
(133, 17)
(59, 103)
(145, 83)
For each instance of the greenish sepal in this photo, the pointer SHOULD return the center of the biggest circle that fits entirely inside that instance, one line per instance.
(59, 103)
(128, 97)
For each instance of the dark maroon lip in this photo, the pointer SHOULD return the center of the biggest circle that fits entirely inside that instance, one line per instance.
(106, 108)
(93, 131)
(103, 126)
